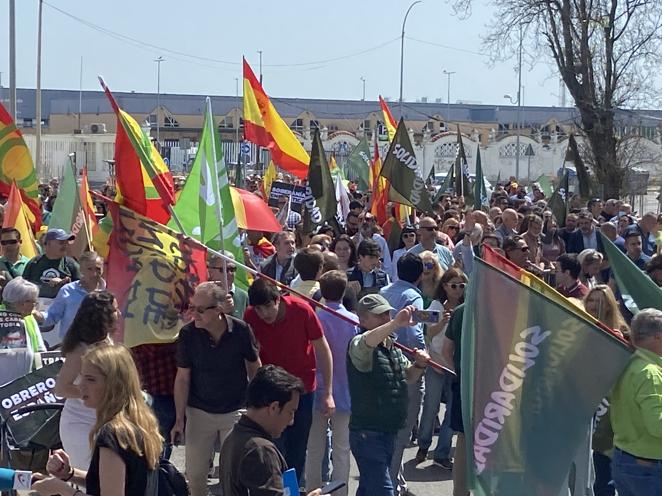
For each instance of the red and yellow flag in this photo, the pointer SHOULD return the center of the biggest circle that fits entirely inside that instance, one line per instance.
(389, 121)
(380, 187)
(16, 165)
(16, 216)
(88, 205)
(144, 183)
(252, 212)
(263, 126)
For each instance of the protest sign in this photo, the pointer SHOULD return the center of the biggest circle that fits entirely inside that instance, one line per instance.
(278, 189)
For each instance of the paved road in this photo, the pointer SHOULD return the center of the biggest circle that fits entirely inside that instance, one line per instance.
(425, 479)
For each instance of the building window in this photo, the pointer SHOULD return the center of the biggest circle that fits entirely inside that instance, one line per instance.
(314, 124)
(152, 120)
(297, 125)
(429, 126)
(226, 123)
(367, 125)
(170, 121)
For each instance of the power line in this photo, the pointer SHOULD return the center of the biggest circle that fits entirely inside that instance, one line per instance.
(144, 44)
(448, 47)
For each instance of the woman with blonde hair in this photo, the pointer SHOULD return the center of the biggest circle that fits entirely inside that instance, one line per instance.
(125, 440)
(432, 273)
(601, 304)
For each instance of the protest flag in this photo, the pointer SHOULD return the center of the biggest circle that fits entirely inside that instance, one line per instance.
(320, 199)
(480, 190)
(531, 382)
(265, 127)
(558, 203)
(446, 186)
(252, 212)
(380, 188)
(205, 202)
(389, 121)
(461, 172)
(342, 199)
(17, 216)
(358, 164)
(404, 173)
(144, 183)
(91, 223)
(153, 272)
(545, 186)
(269, 177)
(68, 213)
(637, 289)
(16, 165)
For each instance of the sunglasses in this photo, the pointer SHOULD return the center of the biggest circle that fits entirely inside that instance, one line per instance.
(428, 265)
(201, 310)
(231, 268)
(455, 285)
(6, 242)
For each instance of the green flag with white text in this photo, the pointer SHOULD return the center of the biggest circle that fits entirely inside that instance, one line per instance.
(205, 199)
(637, 289)
(404, 172)
(558, 203)
(480, 190)
(320, 199)
(358, 165)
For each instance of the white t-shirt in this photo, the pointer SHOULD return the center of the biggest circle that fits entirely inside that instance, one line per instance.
(16, 352)
(437, 341)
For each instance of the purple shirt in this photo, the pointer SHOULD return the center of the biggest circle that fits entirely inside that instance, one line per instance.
(338, 334)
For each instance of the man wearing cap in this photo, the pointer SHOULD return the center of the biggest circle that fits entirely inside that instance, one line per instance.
(378, 374)
(54, 268)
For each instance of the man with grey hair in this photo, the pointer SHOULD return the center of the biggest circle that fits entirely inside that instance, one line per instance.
(216, 270)
(20, 339)
(636, 411)
(217, 355)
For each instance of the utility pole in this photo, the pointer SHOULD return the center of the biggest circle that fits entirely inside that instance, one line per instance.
(448, 96)
(519, 102)
(260, 52)
(363, 80)
(402, 50)
(80, 95)
(236, 131)
(12, 60)
(37, 154)
(158, 101)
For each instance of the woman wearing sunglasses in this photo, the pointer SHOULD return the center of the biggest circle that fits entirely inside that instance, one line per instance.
(432, 273)
(407, 241)
(449, 294)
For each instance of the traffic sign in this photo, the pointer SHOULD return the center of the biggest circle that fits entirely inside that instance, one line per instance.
(245, 148)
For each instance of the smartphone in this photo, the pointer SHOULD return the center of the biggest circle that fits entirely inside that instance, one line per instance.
(426, 316)
(333, 486)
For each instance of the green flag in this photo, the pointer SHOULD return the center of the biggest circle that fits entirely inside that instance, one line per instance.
(205, 200)
(446, 185)
(358, 165)
(530, 384)
(462, 185)
(545, 186)
(68, 212)
(637, 289)
(320, 199)
(558, 203)
(404, 173)
(480, 190)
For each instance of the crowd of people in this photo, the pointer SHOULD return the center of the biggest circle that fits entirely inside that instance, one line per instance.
(272, 381)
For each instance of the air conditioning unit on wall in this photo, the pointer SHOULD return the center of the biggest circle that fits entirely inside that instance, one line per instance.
(97, 128)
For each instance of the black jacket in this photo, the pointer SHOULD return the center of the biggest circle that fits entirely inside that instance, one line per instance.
(268, 268)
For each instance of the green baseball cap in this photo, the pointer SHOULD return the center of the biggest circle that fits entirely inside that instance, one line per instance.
(375, 304)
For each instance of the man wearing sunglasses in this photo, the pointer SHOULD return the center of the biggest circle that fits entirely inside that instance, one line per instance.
(217, 355)
(516, 250)
(427, 235)
(217, 273)
(12, 262)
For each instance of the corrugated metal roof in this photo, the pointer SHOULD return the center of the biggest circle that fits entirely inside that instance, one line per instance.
(66, 101)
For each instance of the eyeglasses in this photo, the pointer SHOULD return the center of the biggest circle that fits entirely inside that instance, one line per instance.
(231, 268)
(455, 285)
(6, 242)
(201, 310)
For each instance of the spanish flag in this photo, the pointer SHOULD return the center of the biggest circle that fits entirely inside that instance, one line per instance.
(389, 121)
(380, 187)
(16, 216)
(144, 183)
(263, 126)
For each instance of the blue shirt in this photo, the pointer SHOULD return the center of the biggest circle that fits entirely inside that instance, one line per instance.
(399, 295)
(338, 334)
(444, 255)
(65, 306)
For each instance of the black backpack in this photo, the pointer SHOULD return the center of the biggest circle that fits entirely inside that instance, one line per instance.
(167, 481)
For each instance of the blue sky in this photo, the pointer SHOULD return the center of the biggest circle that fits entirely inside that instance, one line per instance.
(289, 33)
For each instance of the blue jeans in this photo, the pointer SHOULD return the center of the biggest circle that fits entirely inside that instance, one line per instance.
(163, 406)
(635, 477)
(437, 386)
(294, 440)
(373, 452)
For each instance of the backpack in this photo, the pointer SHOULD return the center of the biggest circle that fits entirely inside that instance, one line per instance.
(167, 481)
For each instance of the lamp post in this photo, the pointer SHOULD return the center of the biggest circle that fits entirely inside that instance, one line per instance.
(260, 52)
(12, 60)
(363, 81)
(158, 100)
(37, 153)
(402, 50)
(448, 96)
(518, 102)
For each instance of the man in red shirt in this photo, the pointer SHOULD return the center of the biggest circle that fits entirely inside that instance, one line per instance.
(568, 284)
(291, 336)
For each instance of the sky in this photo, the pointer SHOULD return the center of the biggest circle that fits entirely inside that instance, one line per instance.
(310, 49)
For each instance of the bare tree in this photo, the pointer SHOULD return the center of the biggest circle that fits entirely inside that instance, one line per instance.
(607, 52)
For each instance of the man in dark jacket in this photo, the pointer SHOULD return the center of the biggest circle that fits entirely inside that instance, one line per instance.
(280, 265)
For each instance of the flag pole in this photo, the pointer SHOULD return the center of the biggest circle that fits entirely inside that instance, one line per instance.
(86, 226)
(214, 181)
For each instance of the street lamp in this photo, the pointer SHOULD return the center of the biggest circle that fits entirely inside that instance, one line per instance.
(402, 49)
(363, 80)
(518, 102)
(158, 100)
(448, 96)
